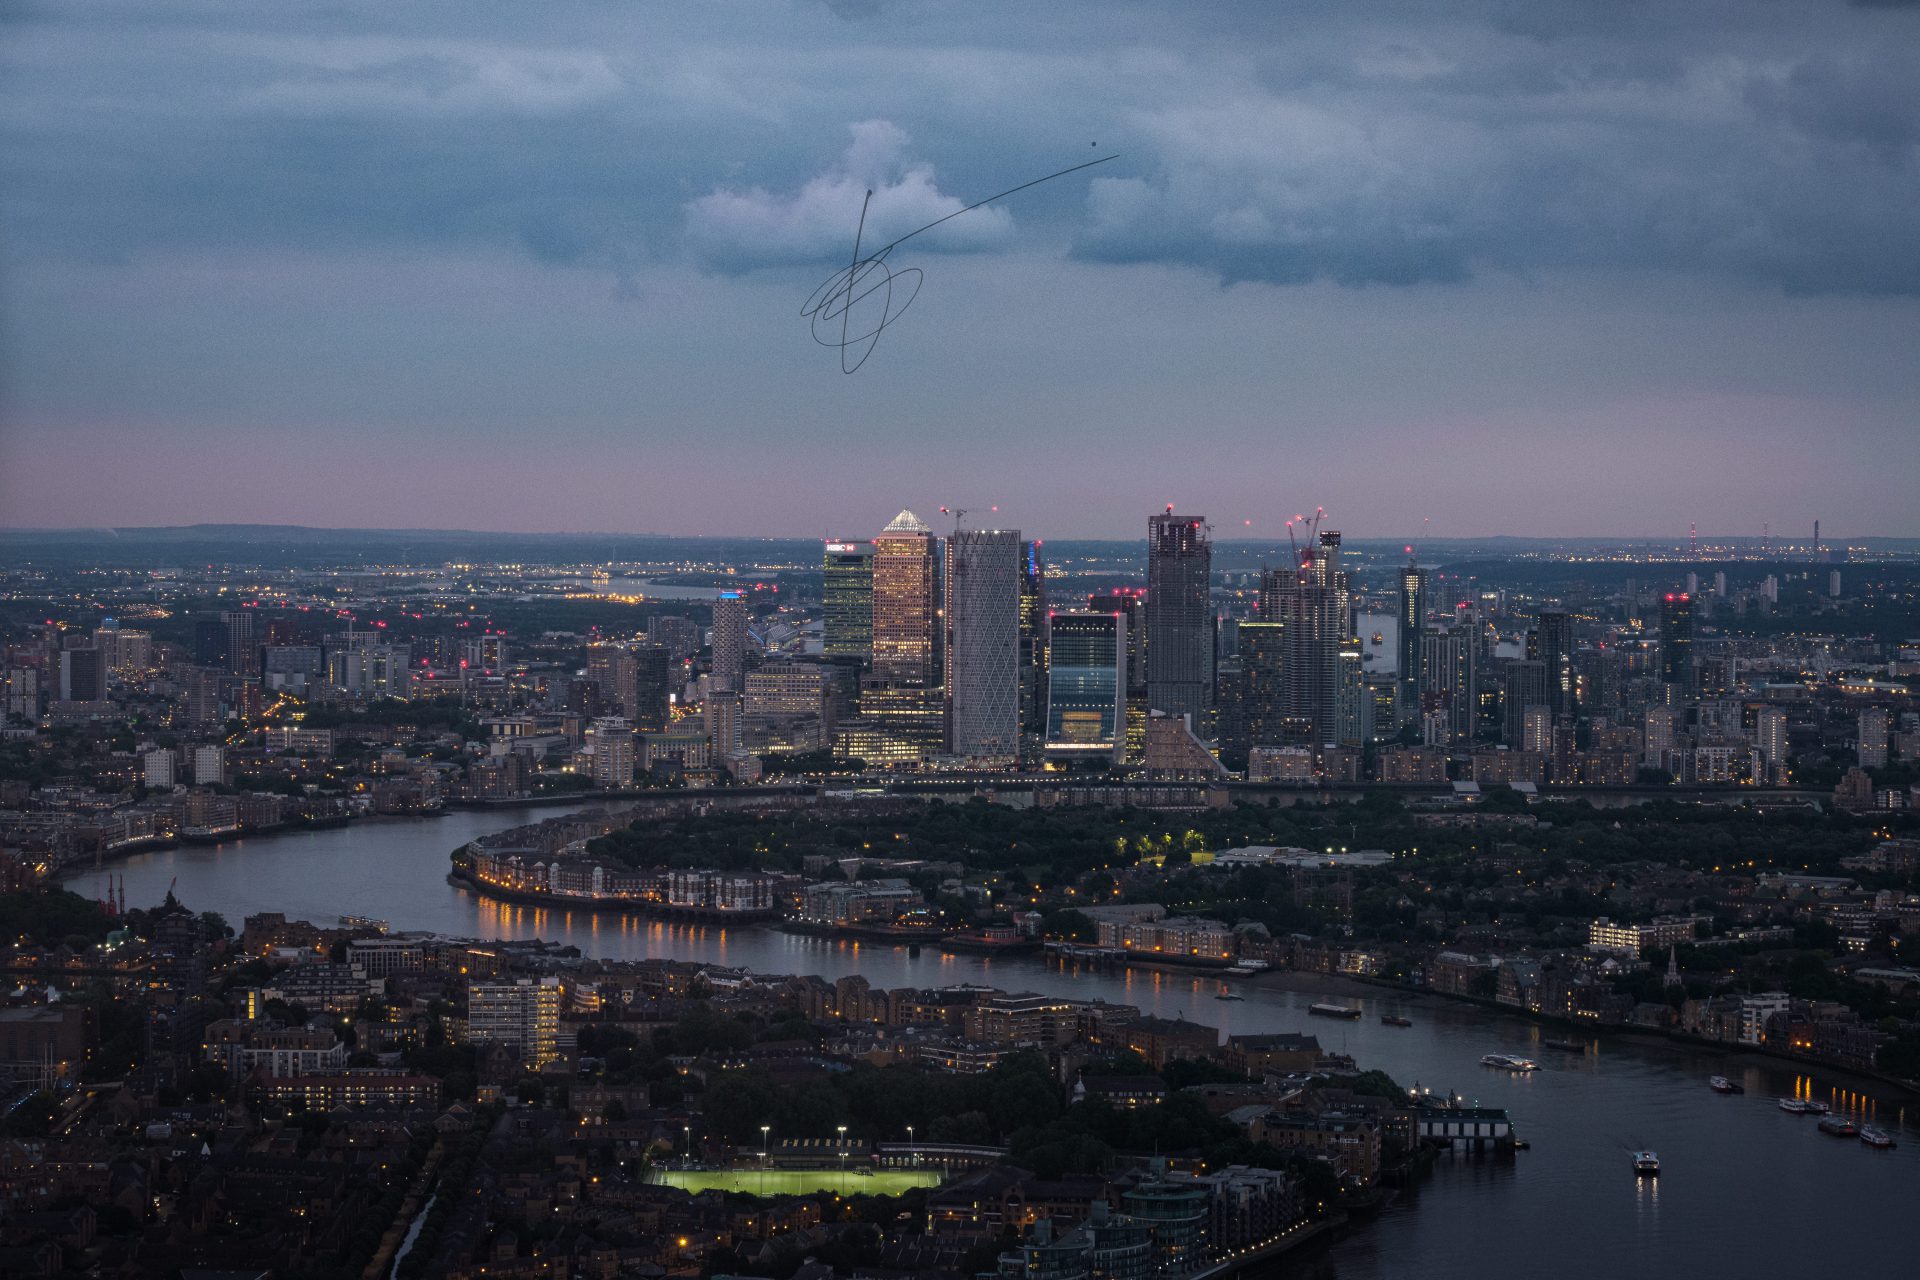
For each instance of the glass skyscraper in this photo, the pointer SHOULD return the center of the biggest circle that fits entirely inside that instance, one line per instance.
(1413, 621)
(1180, 618)
(1676, 646)
(847, 600)
(983, 573)
(905, 604)
(1086, 686)
(1033, 651)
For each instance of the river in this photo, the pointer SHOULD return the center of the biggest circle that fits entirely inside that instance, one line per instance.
(1745, 1186)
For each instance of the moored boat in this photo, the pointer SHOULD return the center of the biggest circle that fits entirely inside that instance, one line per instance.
(1333, 1010)
(1570, 1046)
(1795, 1106)
(1646, 1164)
(1876, 1137)
(1720, 1084)
(1395, 1020)
(1839, 1127)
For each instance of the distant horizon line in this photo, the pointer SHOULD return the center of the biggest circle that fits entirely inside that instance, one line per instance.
(116, 531)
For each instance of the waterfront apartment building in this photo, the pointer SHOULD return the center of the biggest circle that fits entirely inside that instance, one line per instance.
(1604, 934)
(523, 1014)
(860, 902)
(982, 589)
(741, 893)
(1189, 937)
(1086, 686)
(1180, 653)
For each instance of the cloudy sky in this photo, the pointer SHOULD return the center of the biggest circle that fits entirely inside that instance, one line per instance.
(1490, 266)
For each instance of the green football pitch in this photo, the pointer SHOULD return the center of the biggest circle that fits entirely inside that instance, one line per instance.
(799, 1182)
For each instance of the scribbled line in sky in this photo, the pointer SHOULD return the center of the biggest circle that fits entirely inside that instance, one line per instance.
(830, 308)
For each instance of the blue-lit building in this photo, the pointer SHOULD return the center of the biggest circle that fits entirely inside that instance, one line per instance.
(1086, 686)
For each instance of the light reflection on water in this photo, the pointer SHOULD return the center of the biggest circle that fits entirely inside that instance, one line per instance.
(1745, 1186)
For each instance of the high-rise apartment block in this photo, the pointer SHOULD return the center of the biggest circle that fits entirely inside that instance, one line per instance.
(729, 641)
(1770, 739)
(1180, 618)
(610, 744)
(1550, 642)
(1676, 647)
(1413, 624)
(1874, 724)
(1527, 686)
(523, 1014)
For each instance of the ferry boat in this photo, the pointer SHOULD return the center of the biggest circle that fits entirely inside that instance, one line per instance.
(1646, 1164)
(1817, 1108)
(1840, 1127)
(1395, 1020)
(1796, 1107)
(1876, 1137)
(1334, 1010)
(1509, 1062)
(1720, 1084)
(1240, 971)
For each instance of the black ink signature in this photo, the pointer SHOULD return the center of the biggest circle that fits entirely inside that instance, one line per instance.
(864, 277)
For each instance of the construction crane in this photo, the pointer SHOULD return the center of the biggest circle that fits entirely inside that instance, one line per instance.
(1303, 558)
(960, 513)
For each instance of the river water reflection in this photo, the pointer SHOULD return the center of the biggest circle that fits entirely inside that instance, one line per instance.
(1745, 1188)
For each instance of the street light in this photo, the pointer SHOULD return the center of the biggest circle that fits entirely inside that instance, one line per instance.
(843, 1148)
(763, 1144)
(688, 1130)
(913, 1156)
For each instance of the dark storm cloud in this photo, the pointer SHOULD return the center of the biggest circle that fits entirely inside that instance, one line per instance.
(1383, 145)
(554, 253)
